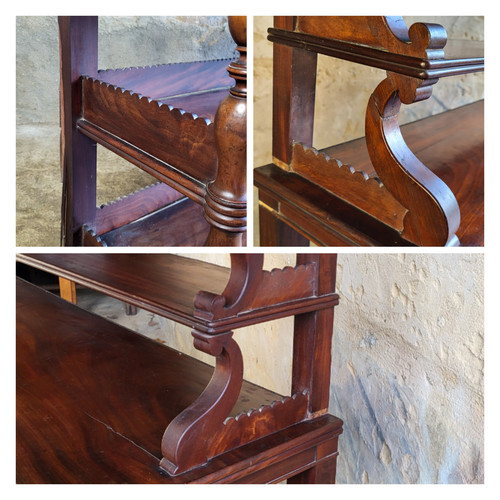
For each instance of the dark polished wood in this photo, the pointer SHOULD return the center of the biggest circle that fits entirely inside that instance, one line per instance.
(383, 189)
(163, 119)
(94, 399)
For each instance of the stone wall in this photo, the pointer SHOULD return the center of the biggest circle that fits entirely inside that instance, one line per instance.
(123, 42)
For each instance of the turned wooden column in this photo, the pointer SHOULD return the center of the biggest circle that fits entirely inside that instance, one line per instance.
(226, 197)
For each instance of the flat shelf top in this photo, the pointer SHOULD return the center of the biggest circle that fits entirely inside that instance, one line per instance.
(460, 56)
(165, 284)
(196, 87)
(99, 394)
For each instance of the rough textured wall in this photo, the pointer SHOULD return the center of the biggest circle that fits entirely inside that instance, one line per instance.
(407, 375)
(407, 368)
(123, 42)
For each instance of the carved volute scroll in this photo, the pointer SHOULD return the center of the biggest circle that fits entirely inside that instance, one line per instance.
(226, 198)
(433, 213)
(251, 291)
(186, 441)
(204, 429)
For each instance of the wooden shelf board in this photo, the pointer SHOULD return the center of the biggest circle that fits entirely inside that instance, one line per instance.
(196, 87)
(165, 284)
(164, 227)
(93, 398)
(380, 58)
(319, 215)
(450, 144)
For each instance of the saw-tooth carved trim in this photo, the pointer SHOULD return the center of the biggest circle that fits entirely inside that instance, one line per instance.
(155, 66)
(251, 288)
(301, 164)
(149, 100)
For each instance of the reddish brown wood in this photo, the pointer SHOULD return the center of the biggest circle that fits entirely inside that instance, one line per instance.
(385, 42)
(226, 197)
(100, 421)
(269, 443)
(396, 199)
(188, 440)
(78, 55)
(273, 231)
(165, 227)
(294, 87)
(134, 206)
(179, 139)
(433, 214)
(182, 85)
(161, 119)
(318, 215)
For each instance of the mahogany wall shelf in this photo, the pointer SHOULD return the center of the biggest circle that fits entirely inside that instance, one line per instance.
(418, 185)
(185, 124)
(97, 403)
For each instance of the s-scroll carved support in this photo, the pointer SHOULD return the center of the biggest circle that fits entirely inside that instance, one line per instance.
(226, 196)
(433, 214)
(187, 441)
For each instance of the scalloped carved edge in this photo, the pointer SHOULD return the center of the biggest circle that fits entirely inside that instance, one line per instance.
(298, 282)
(125, 196)
(352, 185)
(254, 289)
(91, 238)
(259, 422)
(153, 66)
(324, 162)
(184, 141)
(264, 408)
(143, 99)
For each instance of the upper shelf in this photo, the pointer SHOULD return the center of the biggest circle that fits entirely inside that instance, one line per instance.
(422, 51)
(163, 284)
(200, 295)
(196, 87)
(161, 118)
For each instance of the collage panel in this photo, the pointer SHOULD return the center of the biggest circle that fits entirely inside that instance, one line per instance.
(369, 131)
(138, 137)
(256, 379)
(247, 359)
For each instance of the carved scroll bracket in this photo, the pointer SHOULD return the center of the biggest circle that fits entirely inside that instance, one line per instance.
(253, 295)
(186, 441)
(433, 213)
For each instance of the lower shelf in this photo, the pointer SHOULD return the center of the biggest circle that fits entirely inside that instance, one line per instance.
(93, 401)
(165, 226)
(450, 144)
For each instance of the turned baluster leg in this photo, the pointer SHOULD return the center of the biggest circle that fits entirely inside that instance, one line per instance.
(226, 197)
